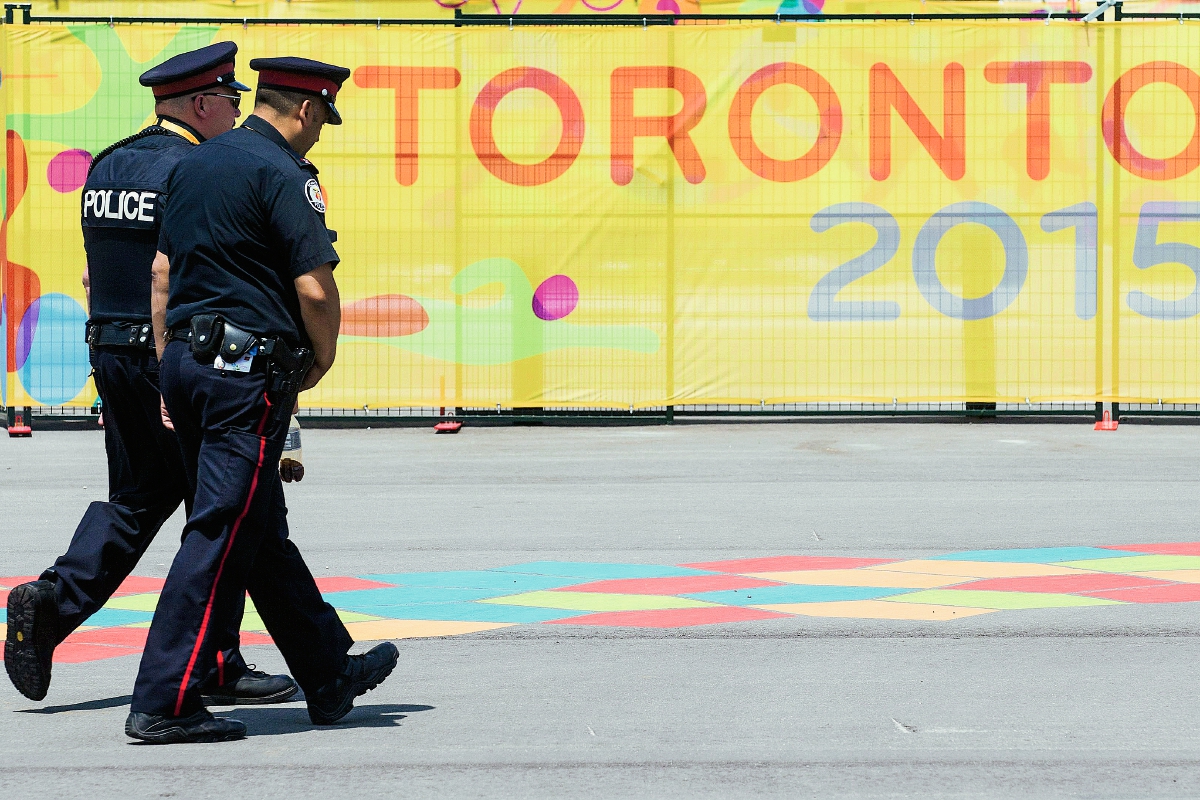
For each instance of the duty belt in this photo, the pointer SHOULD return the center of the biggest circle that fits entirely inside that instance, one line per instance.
(120, 334)
(288, 365)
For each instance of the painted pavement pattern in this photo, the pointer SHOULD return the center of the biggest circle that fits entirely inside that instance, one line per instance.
(941, 589)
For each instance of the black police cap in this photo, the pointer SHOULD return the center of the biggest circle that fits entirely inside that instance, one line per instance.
(208, 67)
(292, 74)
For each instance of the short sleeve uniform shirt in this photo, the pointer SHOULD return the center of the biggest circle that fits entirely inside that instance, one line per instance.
(244, 218)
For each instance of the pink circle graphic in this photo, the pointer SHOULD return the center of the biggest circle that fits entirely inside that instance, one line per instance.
(555, 298)
(68, 170)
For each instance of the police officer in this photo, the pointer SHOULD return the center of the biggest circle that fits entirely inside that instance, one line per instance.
(196, 97)
(245, 289)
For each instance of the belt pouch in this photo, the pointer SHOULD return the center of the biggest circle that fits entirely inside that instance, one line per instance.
(236, 342)
(206, 336)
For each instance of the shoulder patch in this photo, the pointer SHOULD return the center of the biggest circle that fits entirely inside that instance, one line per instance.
(312, 193)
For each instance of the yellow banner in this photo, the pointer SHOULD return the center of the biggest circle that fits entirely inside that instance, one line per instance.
(688, 214)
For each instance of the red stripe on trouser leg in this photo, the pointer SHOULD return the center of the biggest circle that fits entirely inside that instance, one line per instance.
(220, 668)
(212, 595)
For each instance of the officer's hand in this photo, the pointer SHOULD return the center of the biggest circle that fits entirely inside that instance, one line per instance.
(166, 418)
(291, 470)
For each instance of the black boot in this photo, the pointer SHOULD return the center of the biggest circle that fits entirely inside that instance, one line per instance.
(254, 688)
(199, 727)
(359, 675)
(32, 636)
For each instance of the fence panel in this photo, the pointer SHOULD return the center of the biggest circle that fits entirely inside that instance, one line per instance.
(742, 213)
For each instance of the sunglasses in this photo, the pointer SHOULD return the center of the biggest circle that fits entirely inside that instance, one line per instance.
(235, 100)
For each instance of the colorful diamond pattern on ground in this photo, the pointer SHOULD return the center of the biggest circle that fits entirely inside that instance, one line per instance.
(943, 589)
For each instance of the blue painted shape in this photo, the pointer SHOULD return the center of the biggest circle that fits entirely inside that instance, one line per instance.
(110, 617)
(594, 572)
(463, 612)
(795, 594)
(58, 366)
(1034, 555)
(410, 596)
(510, 582)
(3, 615)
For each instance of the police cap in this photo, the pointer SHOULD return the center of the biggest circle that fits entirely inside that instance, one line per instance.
(291, 74)
(207, 68)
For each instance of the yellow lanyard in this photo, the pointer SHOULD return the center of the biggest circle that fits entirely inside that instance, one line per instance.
(175, 127)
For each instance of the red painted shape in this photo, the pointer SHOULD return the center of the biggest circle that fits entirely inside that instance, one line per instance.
(67, 653)
(669, 618)
(1167, 549)
(384, 315)
(1171, 593)
(249, 637)
(121, 637)
(448, 426)
(684, 584)
(136, 585)
(787, 564)
(343, 584)
(1062, 584)
(9, 581)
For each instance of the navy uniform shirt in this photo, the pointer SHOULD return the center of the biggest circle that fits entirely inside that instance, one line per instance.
(120, 215)
(244, 218)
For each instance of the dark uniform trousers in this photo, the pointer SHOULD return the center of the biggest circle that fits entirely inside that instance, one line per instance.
(232, 432)
(146, 483)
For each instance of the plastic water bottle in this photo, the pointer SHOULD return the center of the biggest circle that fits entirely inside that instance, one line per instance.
(291, 463)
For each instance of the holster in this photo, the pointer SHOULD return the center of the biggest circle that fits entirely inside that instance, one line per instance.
(288, 366)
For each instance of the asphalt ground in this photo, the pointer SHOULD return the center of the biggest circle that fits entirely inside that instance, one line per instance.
(1067, 702)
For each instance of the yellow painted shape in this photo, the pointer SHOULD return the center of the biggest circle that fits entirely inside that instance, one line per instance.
(354, 616)
(861, 577)
(251, 621)
(877, 609)
(134, 602)
(1179, 575)
(416, 628)
(978, 569)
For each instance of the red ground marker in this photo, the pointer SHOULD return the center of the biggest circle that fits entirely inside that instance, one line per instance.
(684, 584)
(121, 637)
(447, 427)
(1168, 549)
(1171, 593)
(787, 564)
(10, 581)
(67, 653)
(344, 584)
(136, 585)
(670, 618)
(1062, 584)
(1107, 423)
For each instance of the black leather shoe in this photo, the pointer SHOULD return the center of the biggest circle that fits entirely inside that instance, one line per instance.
(361, 674)
(254, 688)
(199, 727)
(32, 636)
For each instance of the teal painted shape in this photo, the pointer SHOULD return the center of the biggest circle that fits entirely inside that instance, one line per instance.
(594, 571)
(465, 612)
(110, 617)
(1034, 555)
(795, 594)
(508, 582)
(507, 330)
(120, 104)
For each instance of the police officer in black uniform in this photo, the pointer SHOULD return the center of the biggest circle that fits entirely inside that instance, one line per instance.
(245, 290)
(196, 97)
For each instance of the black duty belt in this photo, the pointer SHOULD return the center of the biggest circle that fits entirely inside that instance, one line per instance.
(208, 336)
(121, 334)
